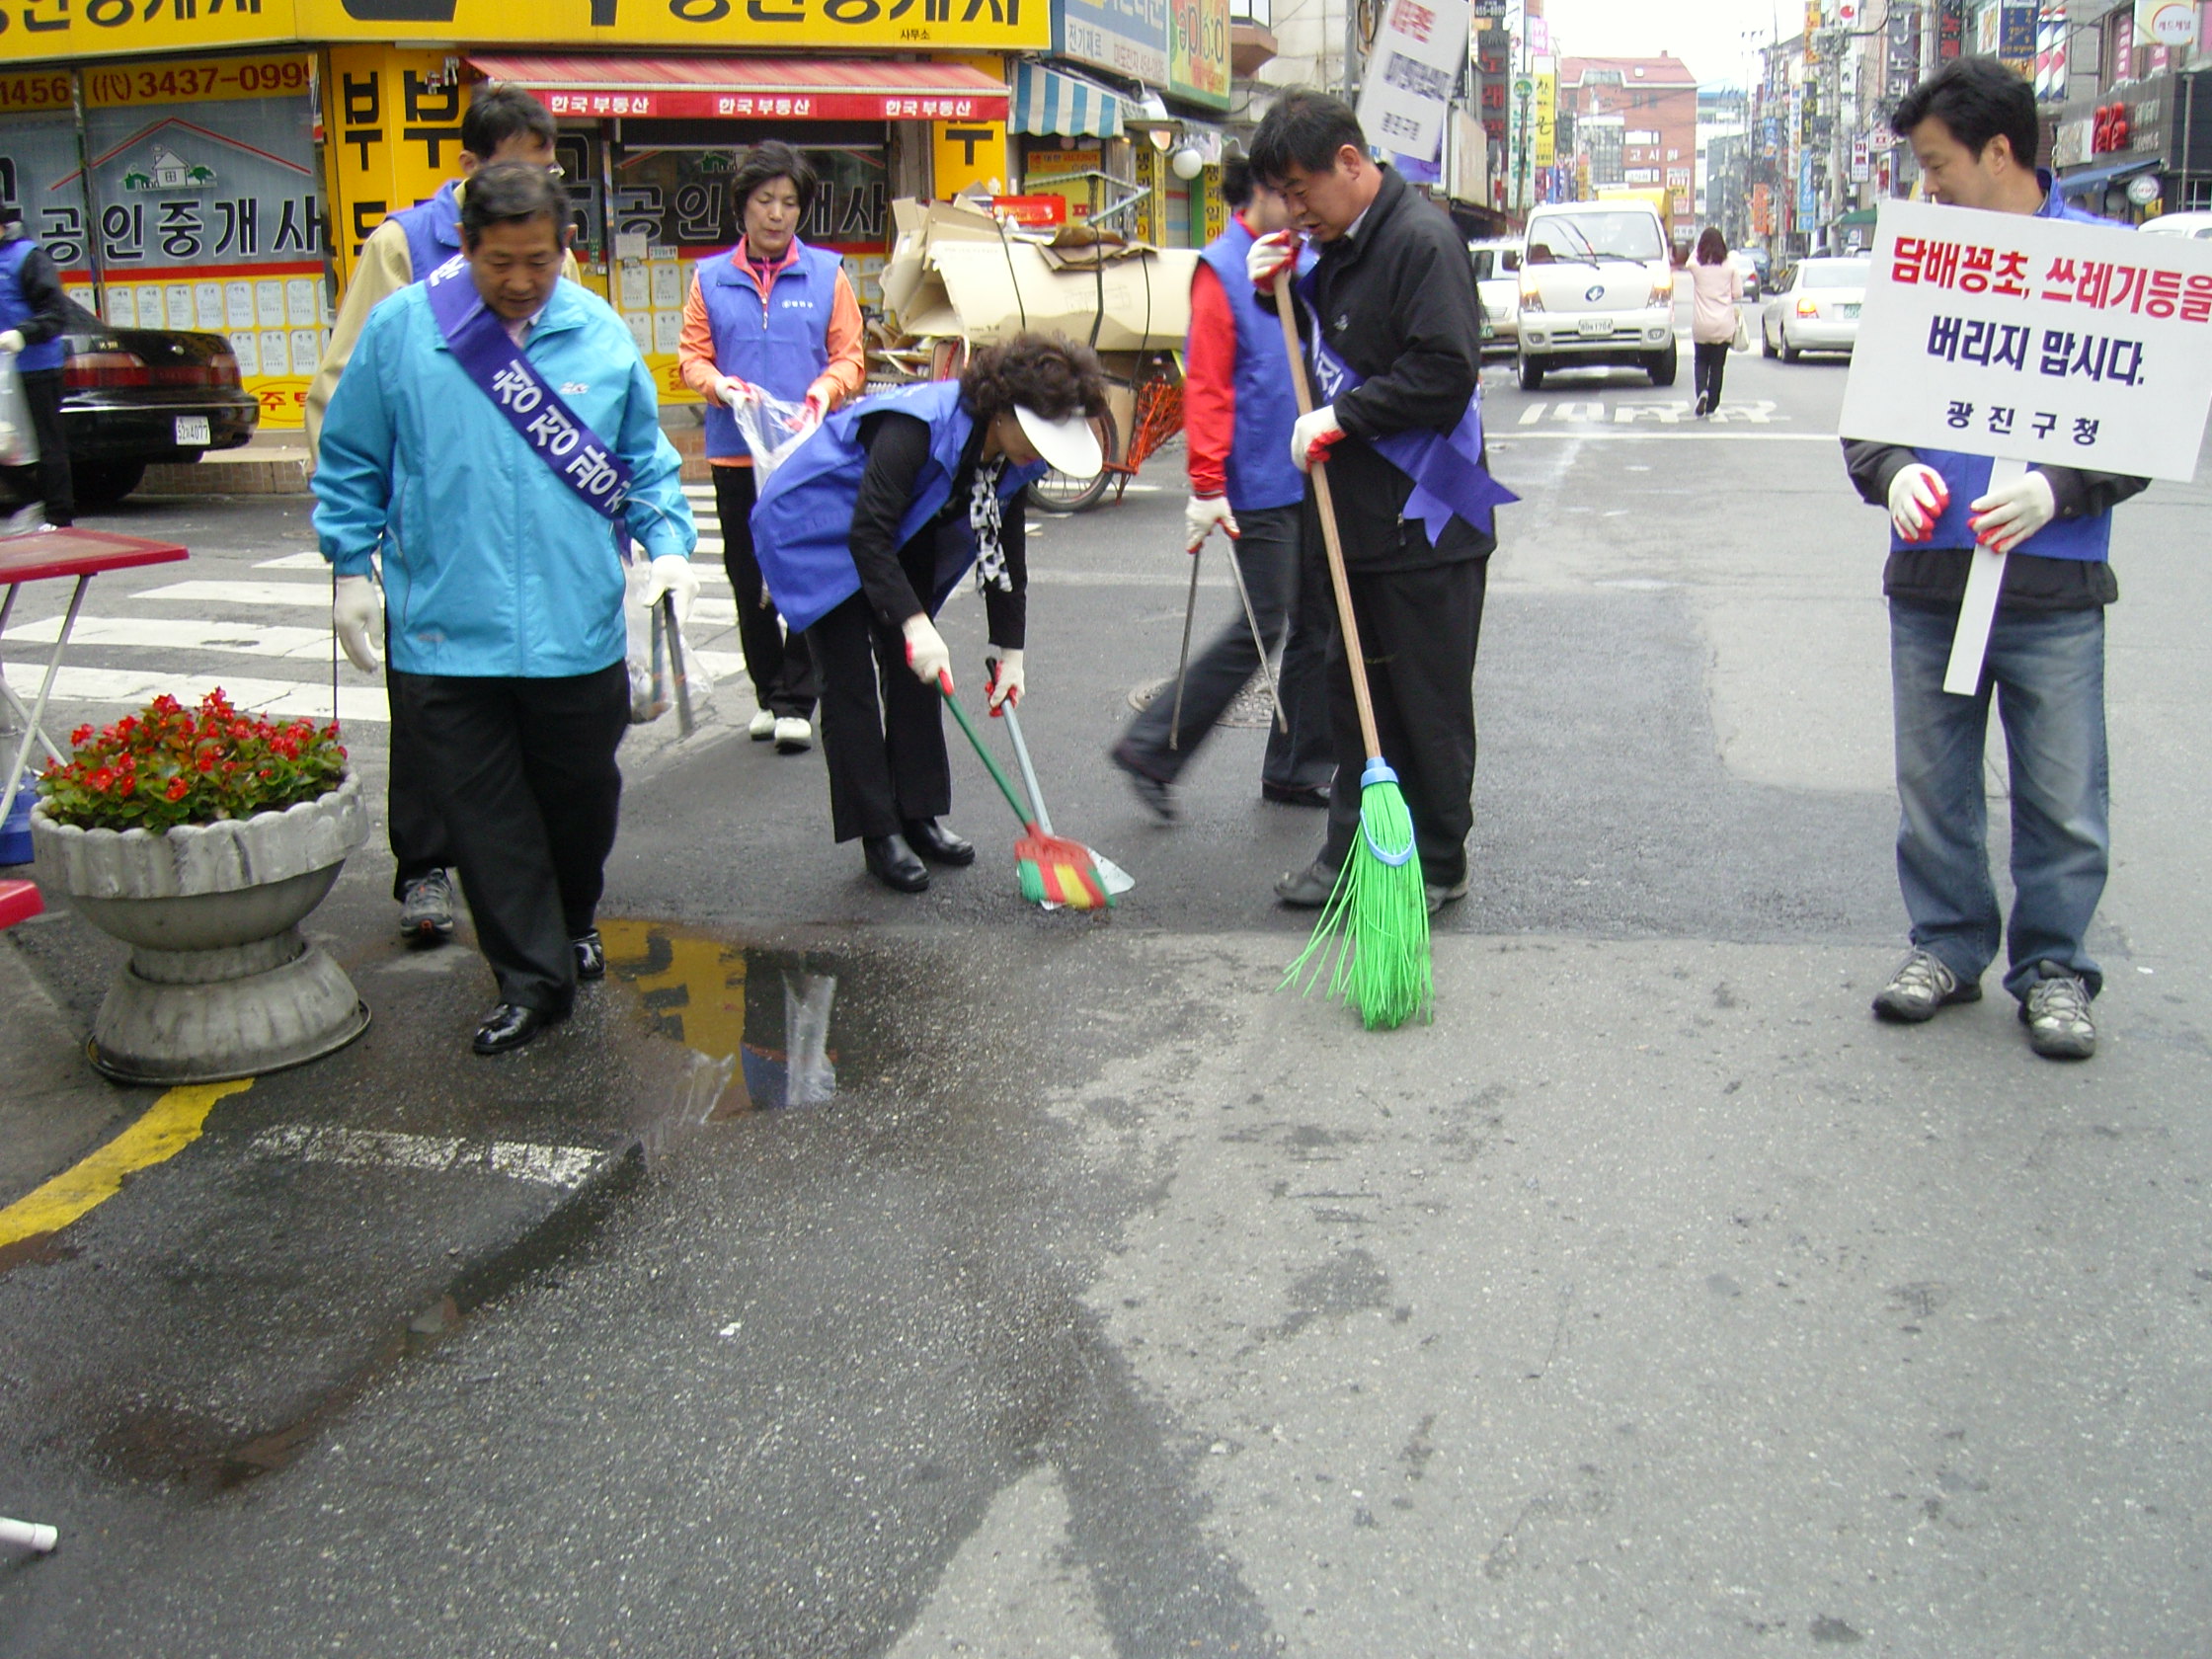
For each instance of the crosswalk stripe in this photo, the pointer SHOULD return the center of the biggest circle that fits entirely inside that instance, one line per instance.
(161, 633)
(294, 697)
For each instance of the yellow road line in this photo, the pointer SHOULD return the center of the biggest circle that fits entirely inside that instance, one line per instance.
(169, 1125)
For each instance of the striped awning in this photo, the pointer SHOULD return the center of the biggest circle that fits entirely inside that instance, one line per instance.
(1049, 104)
(725, 88)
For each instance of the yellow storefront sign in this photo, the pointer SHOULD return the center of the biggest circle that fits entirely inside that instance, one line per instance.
(46, 31)
(705, 25)
(195, 81)
(1543, 122)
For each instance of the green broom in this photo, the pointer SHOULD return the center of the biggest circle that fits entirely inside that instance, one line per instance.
(1372, 938)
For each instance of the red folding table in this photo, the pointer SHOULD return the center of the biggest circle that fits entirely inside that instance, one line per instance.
(53, 554)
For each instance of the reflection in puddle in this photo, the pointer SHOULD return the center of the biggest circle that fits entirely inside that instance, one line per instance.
(768, 1009)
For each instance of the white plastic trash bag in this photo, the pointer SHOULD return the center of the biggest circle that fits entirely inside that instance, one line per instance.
(19, 441)
(656, 662)
(772, 429)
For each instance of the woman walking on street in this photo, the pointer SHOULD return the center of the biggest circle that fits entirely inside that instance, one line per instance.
(776, 316)
(865, 530)
(1717, 287)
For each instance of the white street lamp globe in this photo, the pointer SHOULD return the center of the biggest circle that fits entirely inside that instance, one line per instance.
(1187, 163)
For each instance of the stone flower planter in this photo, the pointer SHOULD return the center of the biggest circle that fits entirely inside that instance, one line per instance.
(220, 982)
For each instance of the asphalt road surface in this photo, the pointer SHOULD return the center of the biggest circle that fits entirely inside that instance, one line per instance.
(1093, 1296)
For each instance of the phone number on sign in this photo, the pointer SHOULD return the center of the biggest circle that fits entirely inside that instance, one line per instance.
(34, 91)
(182, 82)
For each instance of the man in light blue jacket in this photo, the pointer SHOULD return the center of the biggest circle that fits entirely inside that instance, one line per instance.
(496, 438)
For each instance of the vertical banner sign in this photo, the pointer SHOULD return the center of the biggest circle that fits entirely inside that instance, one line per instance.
(2015, 34)
(392, 125)
(2034, 342)
(1412, 70)
(209, 210)
(1543, 121)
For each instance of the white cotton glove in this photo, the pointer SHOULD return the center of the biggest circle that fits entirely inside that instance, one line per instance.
(1007, 682)
(926, 652)
(672, 573)
(732, 391)
(1918, 497)
(354, 612)
(1313, 435)
(11, 342)
(1269, 255)
(1200, 515)
(2008, 516)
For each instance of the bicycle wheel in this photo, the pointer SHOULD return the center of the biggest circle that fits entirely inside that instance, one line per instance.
(1055, 492)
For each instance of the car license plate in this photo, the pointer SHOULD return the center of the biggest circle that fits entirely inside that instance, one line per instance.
(192, 430)
(1594, 325)
(1846, 310)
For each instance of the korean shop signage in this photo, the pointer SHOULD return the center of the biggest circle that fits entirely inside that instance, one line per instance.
(2036, 339)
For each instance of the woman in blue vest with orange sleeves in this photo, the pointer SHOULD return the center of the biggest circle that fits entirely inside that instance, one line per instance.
(779, 317)
(864, 531)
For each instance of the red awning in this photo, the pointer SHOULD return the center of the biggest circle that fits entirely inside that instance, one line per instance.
(749, 87)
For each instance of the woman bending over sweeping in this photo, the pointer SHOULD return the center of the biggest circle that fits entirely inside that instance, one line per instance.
(864, 531)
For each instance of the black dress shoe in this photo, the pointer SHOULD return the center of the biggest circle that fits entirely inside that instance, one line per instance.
(591, 956)
(509, 1026)
(1288, 795)
(892, 862)
(937, 844)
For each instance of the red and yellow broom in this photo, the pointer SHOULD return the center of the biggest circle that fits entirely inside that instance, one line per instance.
(1053, 870)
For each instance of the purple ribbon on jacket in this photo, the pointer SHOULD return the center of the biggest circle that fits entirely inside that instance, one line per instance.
(556, 434)
(1449, 477)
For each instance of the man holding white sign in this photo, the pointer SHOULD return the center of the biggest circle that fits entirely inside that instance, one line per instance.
(1994, 360)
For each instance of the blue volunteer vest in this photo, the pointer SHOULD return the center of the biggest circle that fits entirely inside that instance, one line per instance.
(433, 230)
(15, 312)
(803, 521)
(1260, 471)
(781, 346)
(1967, 476)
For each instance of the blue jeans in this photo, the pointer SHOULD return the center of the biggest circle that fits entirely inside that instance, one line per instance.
(2048, 673)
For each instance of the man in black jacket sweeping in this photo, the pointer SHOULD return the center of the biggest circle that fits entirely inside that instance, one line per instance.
(1394, 331)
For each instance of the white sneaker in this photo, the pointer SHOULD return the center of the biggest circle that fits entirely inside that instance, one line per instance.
(763, 726)
(29, 521)
(793, 735)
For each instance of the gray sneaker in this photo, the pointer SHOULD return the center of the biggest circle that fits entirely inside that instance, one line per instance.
(1919, 986)
(425, 909)
(1308, 888)
(2056, 1012)
(1437, 894)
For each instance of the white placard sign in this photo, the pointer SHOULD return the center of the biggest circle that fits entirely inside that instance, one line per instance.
(2035, 340)
(1412, 70)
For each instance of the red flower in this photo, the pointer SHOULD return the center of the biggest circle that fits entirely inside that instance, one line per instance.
(177, 788)
(99, 781)
(206, 760)
(82, 734)
(130, 785)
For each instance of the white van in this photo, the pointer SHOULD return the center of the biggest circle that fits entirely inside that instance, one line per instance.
(1597, 287)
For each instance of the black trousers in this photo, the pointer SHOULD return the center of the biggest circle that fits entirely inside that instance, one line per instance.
(1267, 553)
(1709, 367)
(49, 482)
(523, 776)
(412, 822)
(780, 665)
(883, 732)
(1418, 631)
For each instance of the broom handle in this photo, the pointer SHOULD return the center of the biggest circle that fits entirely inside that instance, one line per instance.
(1021, 753)
(1329, 539)
(1005, 785)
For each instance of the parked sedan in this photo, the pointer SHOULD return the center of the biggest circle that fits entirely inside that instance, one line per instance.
(1497, 278)
(132, 397)
(1814, 308)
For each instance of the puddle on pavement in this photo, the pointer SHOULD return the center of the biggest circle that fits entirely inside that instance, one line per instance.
(768, 1015)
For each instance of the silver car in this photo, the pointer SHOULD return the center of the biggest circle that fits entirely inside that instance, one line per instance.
(1497, 278)
(1814, 308)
